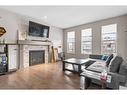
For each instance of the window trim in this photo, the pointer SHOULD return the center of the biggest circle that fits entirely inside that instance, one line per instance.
(90, 41)
(116, 36)
(74, 43)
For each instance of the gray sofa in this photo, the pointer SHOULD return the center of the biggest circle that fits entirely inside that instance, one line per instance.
(117, 69)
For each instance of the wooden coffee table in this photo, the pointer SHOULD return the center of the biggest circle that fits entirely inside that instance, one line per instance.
(78, 62)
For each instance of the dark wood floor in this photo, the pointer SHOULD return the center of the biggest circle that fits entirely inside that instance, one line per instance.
(44, 76)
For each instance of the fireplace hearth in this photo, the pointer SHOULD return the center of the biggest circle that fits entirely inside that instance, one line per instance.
(36, 57)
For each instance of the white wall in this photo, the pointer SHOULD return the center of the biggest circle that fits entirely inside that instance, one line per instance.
(9, 22)
(14, 22)
(55, 35)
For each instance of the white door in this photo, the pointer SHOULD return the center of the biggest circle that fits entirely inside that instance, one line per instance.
(12, 57)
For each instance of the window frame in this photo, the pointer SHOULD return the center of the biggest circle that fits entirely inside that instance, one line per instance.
(87, 41)
(115, 40)
(72, 52)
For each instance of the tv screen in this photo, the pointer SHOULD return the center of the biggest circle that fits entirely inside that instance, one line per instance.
(38, 30)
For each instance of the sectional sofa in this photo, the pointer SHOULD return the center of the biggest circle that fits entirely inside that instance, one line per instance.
(116, 66)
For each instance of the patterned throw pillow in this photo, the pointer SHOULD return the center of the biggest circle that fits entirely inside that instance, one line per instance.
(104, 57)
(109, 59)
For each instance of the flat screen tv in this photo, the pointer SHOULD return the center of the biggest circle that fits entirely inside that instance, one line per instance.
(38, 30)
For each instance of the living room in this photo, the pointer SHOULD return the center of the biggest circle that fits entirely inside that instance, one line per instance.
(44, 51)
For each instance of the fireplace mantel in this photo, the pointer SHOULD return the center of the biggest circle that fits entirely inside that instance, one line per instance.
(31, 42)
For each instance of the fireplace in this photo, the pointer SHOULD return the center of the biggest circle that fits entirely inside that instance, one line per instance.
(36, 57)
(26, 58)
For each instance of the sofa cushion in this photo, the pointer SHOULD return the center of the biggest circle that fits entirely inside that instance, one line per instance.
(94, 56)
(115, 64)
(97, 66)
(123, 69)
(109, 59)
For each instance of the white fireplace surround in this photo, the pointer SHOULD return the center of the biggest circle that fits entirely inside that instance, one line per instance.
(24, 53)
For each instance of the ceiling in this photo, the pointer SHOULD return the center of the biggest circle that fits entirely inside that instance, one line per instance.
(68, 16)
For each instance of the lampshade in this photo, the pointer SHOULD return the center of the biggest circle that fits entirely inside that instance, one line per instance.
(2, 31)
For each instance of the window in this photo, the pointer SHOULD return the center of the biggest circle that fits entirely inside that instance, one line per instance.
(86, 41)
(108, 43)
(71, 42)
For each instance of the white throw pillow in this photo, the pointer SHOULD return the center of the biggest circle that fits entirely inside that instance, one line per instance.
(114, 56)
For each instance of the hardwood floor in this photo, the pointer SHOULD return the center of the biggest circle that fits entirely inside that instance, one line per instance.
(44, 76)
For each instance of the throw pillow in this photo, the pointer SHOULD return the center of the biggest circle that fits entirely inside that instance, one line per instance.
(104, 57)
(111, 62)
(109, 59)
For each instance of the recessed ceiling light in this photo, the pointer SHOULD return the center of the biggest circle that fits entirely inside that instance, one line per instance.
(44, 17)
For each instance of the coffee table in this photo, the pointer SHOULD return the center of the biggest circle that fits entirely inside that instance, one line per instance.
(88, 75)
(78, 62)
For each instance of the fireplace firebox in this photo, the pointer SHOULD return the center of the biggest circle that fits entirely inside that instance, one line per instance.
(36, 57)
